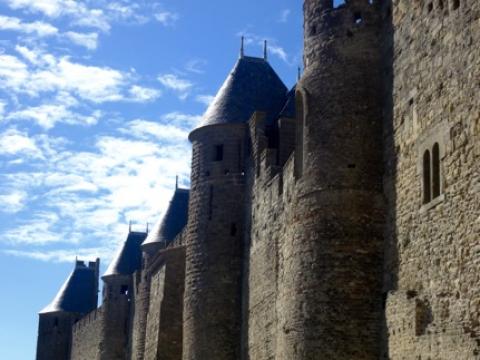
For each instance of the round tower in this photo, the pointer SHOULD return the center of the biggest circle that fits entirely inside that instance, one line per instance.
(77, 297)
(331, 296)
(212, 302)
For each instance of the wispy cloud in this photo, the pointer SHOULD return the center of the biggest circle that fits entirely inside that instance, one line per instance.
(166, 18)
(47, 115)
(38, 28)
(204, 99)
(88, 194)
(284, 15)
(87, 40)
(144, 94)
(14, 142)
(173, 82)
(13, 202)
(196, 66)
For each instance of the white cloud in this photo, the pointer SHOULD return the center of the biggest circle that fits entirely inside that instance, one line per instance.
(196, 66)
(87, 40)
(12, 202)
(14, 142)
(48, 115)
(166, 18)
(285, 14)
(144, 129)
(45, 73)
(205, 99)
(144, 94)
(78, 11)
(279, 52)
(38, 27)
(3, 105)
(62, 256)
(187, 121)
(173, 82)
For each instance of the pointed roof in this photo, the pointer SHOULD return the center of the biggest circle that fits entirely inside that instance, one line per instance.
(251, 86)
(79, 292)
(172, 222)
(128, 258)
(288, 110)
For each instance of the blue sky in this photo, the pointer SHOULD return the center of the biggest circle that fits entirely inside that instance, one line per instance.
(96, 101)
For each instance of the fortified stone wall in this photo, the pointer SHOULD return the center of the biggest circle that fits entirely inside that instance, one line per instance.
(270, 199)
(164, 320)
(87, 336)
(432, 250)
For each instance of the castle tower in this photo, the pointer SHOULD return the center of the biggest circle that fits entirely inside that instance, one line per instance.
(118, 288)
(212, 303)
(77, 297)
(330, 292)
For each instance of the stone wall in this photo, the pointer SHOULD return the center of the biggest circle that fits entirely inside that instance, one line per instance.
(54, 335)
(87, 336)
(432, 249)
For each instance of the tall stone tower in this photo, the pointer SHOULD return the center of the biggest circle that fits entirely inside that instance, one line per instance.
(77, 297)
(118, 293)
(212, 303)
(330, 296)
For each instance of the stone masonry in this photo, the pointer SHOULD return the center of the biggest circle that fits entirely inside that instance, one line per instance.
(339, 220)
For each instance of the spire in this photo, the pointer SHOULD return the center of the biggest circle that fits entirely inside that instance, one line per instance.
(176, 182)
(265, 50)
(242, 50)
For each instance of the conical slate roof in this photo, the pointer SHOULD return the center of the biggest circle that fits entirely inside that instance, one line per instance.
(129, 257)
(288, 110)
(79, 292)
(251, 86)
(172, 222)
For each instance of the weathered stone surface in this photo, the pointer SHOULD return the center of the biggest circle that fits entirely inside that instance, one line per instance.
(348, 232)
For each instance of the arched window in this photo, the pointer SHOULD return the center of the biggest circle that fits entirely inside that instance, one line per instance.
(299, 124)
(435, 171)
(426, 178)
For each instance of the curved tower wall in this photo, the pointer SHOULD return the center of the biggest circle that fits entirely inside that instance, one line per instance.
(212, 302)
(330, 292)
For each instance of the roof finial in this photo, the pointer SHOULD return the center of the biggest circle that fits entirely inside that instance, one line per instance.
(299, 75)
(130, 226)
(176, 182)
(242, 50)
(265, 50)
(147, 227)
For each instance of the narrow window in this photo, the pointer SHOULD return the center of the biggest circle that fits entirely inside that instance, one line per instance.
(210, 201)
(124, 290)
(55, 322)
(430, 7)
(440, 4)
(456, 4)
(300, 123)
(218, 153)
(426, 177)
(435, 171)
(233, 229)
